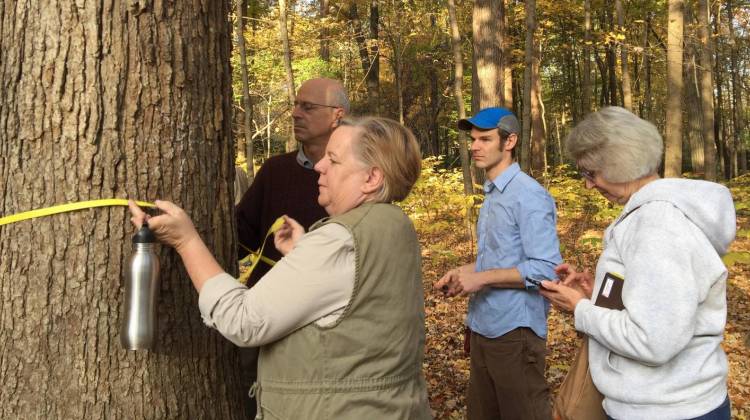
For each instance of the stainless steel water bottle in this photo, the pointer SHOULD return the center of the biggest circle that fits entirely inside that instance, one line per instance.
(138, 328)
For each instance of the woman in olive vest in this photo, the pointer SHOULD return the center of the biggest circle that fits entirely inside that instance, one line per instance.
(340, 318)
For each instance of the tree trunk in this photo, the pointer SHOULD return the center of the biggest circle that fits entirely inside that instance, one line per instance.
(287, 53)
(627, 96)
(373, 76)
(458, 70)
(612, 74)
(738, 119)
(247, 125)
(488, 52)
(695, 136)
(458, 76)
(723, 143)
(325, 45)
(707, 90)
(538, 147)
(586, 88)
(673, 138)
(528, 85)
(507, 61)
(100, 102)
(646, 111)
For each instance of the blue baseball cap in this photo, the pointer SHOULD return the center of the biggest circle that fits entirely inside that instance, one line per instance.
(489, 118)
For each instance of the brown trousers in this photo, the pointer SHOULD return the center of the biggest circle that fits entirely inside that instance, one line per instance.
(507, 377)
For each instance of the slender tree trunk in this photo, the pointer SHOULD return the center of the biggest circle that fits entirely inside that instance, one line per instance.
(586, 88)
(507, 61)
(538, 147)
(707, 90)
(738, 119)
(98, 104)
(458, 76)
(325, 45)
(287, 52)
(247, 125)
(695, 136)
(723, 141)
(373, 76)
(528, 85)
(673, 143)
(627, 96)
(646, 113)
(604, 79)
(612, 74)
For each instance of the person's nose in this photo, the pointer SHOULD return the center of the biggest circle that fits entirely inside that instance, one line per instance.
(296, 111)
(319, 166)
(474, 146)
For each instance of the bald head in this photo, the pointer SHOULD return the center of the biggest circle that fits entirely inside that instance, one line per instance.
(326, 92)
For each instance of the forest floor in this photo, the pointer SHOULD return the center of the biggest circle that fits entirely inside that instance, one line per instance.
(582, 219)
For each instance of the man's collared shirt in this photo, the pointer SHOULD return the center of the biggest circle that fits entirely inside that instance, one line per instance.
(517, 227)
(303, 160)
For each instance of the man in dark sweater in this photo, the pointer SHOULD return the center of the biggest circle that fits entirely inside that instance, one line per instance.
(288, 184)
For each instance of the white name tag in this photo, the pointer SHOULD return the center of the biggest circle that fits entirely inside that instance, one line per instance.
(608, 287)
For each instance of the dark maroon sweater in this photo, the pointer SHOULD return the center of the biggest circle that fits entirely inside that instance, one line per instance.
(281, 186)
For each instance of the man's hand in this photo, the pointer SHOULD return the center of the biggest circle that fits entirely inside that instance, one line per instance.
(459, 281)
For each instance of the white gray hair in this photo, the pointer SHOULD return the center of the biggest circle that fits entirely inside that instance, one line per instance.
(617, 144)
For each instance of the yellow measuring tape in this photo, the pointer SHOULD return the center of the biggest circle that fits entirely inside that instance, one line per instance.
(253, 258)
(62, 208)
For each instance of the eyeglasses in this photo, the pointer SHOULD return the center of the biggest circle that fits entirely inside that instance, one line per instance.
(586, 174)
(309, 106)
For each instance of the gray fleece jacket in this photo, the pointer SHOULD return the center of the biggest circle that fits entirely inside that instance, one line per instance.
(661, 358)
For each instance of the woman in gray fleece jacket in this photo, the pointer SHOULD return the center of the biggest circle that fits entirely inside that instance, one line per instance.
(655, 349)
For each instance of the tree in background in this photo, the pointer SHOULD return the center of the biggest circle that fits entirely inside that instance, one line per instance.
(706, 90)
(673, 137)
(290, 88)
(100, 102)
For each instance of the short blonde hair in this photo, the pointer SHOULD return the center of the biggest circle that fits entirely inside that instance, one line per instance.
(617, 144)
(385, 144)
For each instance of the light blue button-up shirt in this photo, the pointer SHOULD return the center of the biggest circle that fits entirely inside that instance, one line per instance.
(517, 228)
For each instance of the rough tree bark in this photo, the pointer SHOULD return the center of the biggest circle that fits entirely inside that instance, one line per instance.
(673, 138)
(488, 53)
(99, 101)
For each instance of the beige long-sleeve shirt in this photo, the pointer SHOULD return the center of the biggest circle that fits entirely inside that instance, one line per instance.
(312, 283)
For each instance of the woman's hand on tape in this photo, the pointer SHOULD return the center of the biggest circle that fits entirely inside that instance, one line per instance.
(288, 235)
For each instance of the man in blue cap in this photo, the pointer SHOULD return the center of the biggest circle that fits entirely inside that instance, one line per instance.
(517, 246)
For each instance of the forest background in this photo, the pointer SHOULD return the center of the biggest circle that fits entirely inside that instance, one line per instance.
(131, 99)
(681, 65)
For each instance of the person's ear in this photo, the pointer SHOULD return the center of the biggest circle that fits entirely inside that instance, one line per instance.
(374, 182)
(511, 141)
(338, 114)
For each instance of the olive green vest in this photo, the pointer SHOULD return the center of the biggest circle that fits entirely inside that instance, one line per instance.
(368, 364)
